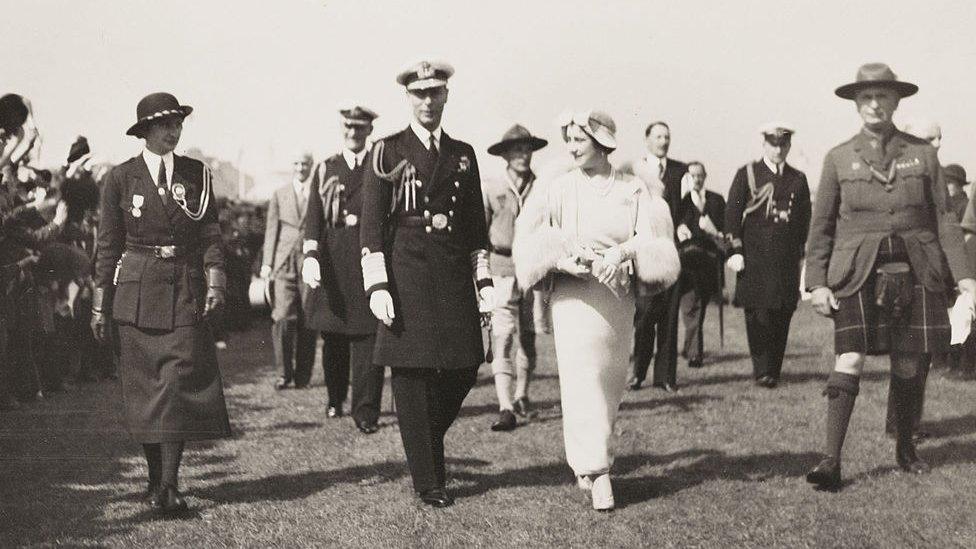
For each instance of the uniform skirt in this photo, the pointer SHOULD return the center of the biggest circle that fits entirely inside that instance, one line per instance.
(861, 326)
(171, 387)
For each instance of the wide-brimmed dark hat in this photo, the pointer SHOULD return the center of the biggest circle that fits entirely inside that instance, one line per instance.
(956, 174)
(874, 75)
(516, 135)
(155, 106)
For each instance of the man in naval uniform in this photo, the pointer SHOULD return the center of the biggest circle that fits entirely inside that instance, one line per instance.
(337, 304)
(425, 264)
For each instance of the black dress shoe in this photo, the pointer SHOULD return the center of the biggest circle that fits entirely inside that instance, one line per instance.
(171, 500)
(767, 381)
(301, 385)
(634, 385)
(521, 406)
(367, 428)
(282, 383)
(697, 363)
(826, 475)
(505, 422)
(333, 412)
(667, 387)
(154, 497)
(908, 460)
(437, 497)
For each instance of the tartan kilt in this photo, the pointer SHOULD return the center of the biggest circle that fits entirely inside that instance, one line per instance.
(860, 326)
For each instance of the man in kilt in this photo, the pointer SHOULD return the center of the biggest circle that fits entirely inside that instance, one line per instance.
(884, 249)
(424, 252)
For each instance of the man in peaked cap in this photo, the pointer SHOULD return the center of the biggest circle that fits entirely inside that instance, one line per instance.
(515, 307)
(425, 266)
(767, 220)
(337, 303)
(881, 215)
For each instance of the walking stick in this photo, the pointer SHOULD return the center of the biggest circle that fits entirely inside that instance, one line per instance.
(721, 305)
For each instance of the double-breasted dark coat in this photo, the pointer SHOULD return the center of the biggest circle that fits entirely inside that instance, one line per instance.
(335, 204)
(771, 239)
(428, 226)
(171, 386)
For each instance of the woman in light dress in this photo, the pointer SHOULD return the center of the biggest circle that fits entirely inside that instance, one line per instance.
(595, 238)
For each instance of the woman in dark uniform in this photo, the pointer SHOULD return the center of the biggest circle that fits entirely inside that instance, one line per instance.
(158, 272)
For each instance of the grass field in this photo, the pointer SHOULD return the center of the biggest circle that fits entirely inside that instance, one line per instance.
(720, 463)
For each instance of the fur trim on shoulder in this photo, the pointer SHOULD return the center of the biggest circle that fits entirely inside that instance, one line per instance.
(537, 245)
(656, 264)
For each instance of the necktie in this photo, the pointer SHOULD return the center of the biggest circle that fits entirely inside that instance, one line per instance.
(660, 170)
(432, 152)
(161, 179)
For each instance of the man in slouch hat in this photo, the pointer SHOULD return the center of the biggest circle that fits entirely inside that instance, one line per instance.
(767, 220)
(515, 357)
(336, 304)
(883, 252)
(425, 266)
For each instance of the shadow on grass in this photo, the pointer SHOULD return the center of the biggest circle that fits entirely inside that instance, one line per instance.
(717, 358)
(683, 403)
(786, 377)
(951, 426)
(950, 453)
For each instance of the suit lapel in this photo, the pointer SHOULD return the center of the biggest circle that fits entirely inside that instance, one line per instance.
(445, 160)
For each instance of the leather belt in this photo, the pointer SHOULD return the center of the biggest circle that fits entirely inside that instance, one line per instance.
(504, 252)
(161, 252)
(411, 221)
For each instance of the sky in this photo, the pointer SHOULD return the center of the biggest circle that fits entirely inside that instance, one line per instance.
(266, 77)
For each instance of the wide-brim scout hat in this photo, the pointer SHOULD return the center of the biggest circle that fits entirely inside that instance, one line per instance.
(596, 124)
(155, 106)
(956, 174)
(357, 115)
(13, 112)
(425, 74)
(777, 133)
(875, 75)
(517, 135)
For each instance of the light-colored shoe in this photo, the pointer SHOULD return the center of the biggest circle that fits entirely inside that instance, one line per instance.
(602, 493)
(584, 482)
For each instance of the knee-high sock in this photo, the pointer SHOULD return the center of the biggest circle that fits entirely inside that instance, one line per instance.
(841, 392)
(172, 455)
(154, 459)
(904, 393)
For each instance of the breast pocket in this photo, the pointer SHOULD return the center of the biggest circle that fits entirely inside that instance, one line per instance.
(910, 186)
(857, 191)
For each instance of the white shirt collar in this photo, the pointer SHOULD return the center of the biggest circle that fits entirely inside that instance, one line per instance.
(152, 162)
(772, 167)
(301, 187)
(424, 135)
(353, 158)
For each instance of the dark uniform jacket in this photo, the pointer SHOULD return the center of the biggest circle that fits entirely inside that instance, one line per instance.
(335, 205)
(856, 210)
(428, 230)
(771, 238)
(702, 255)
(153, 292)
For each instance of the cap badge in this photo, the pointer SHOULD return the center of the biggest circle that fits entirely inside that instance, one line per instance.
(425, 71)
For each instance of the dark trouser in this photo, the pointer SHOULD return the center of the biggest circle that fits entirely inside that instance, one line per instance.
(367, 380)
(657, 318)
(693, 308)
(335, 366)
(294, 349)
(918, 403)
(427, 403)
(767, 331)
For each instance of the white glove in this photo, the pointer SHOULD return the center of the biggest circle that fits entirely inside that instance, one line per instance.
(381, 303)
(736, 262)
(266, 271)
(487, 302)
(705, 224)
(683, 232)
(311, 275)
(60, 213)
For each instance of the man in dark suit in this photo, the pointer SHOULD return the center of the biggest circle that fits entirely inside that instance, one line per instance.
(337, 304)
(767, 219)
(293, 341)
(425, 264)
(657, 316)
(700, 222)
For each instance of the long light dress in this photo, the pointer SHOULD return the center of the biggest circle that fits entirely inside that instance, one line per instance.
(592, 324)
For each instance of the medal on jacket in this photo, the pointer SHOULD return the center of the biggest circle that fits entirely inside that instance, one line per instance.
(179, 192)
(137, 201)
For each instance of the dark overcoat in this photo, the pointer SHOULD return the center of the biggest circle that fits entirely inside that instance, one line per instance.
(770, 239)
(335, 204)
(429, 268)
(170, 383)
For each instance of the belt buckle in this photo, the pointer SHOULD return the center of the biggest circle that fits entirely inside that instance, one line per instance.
(439, 222)
(351, 220)
(166, 252)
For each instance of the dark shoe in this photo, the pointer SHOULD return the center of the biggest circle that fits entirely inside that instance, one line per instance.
(172, 501)
(634, 384)
(826, 475)
(301, 385)
(919, 436)
(767, 381)
(333, 412)
(367, 428)
(282, 383)
(667, 387)
(521, 405)
(154, 497)
(696, 363)
(506, 421)
(437, 497)
(908, 460)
